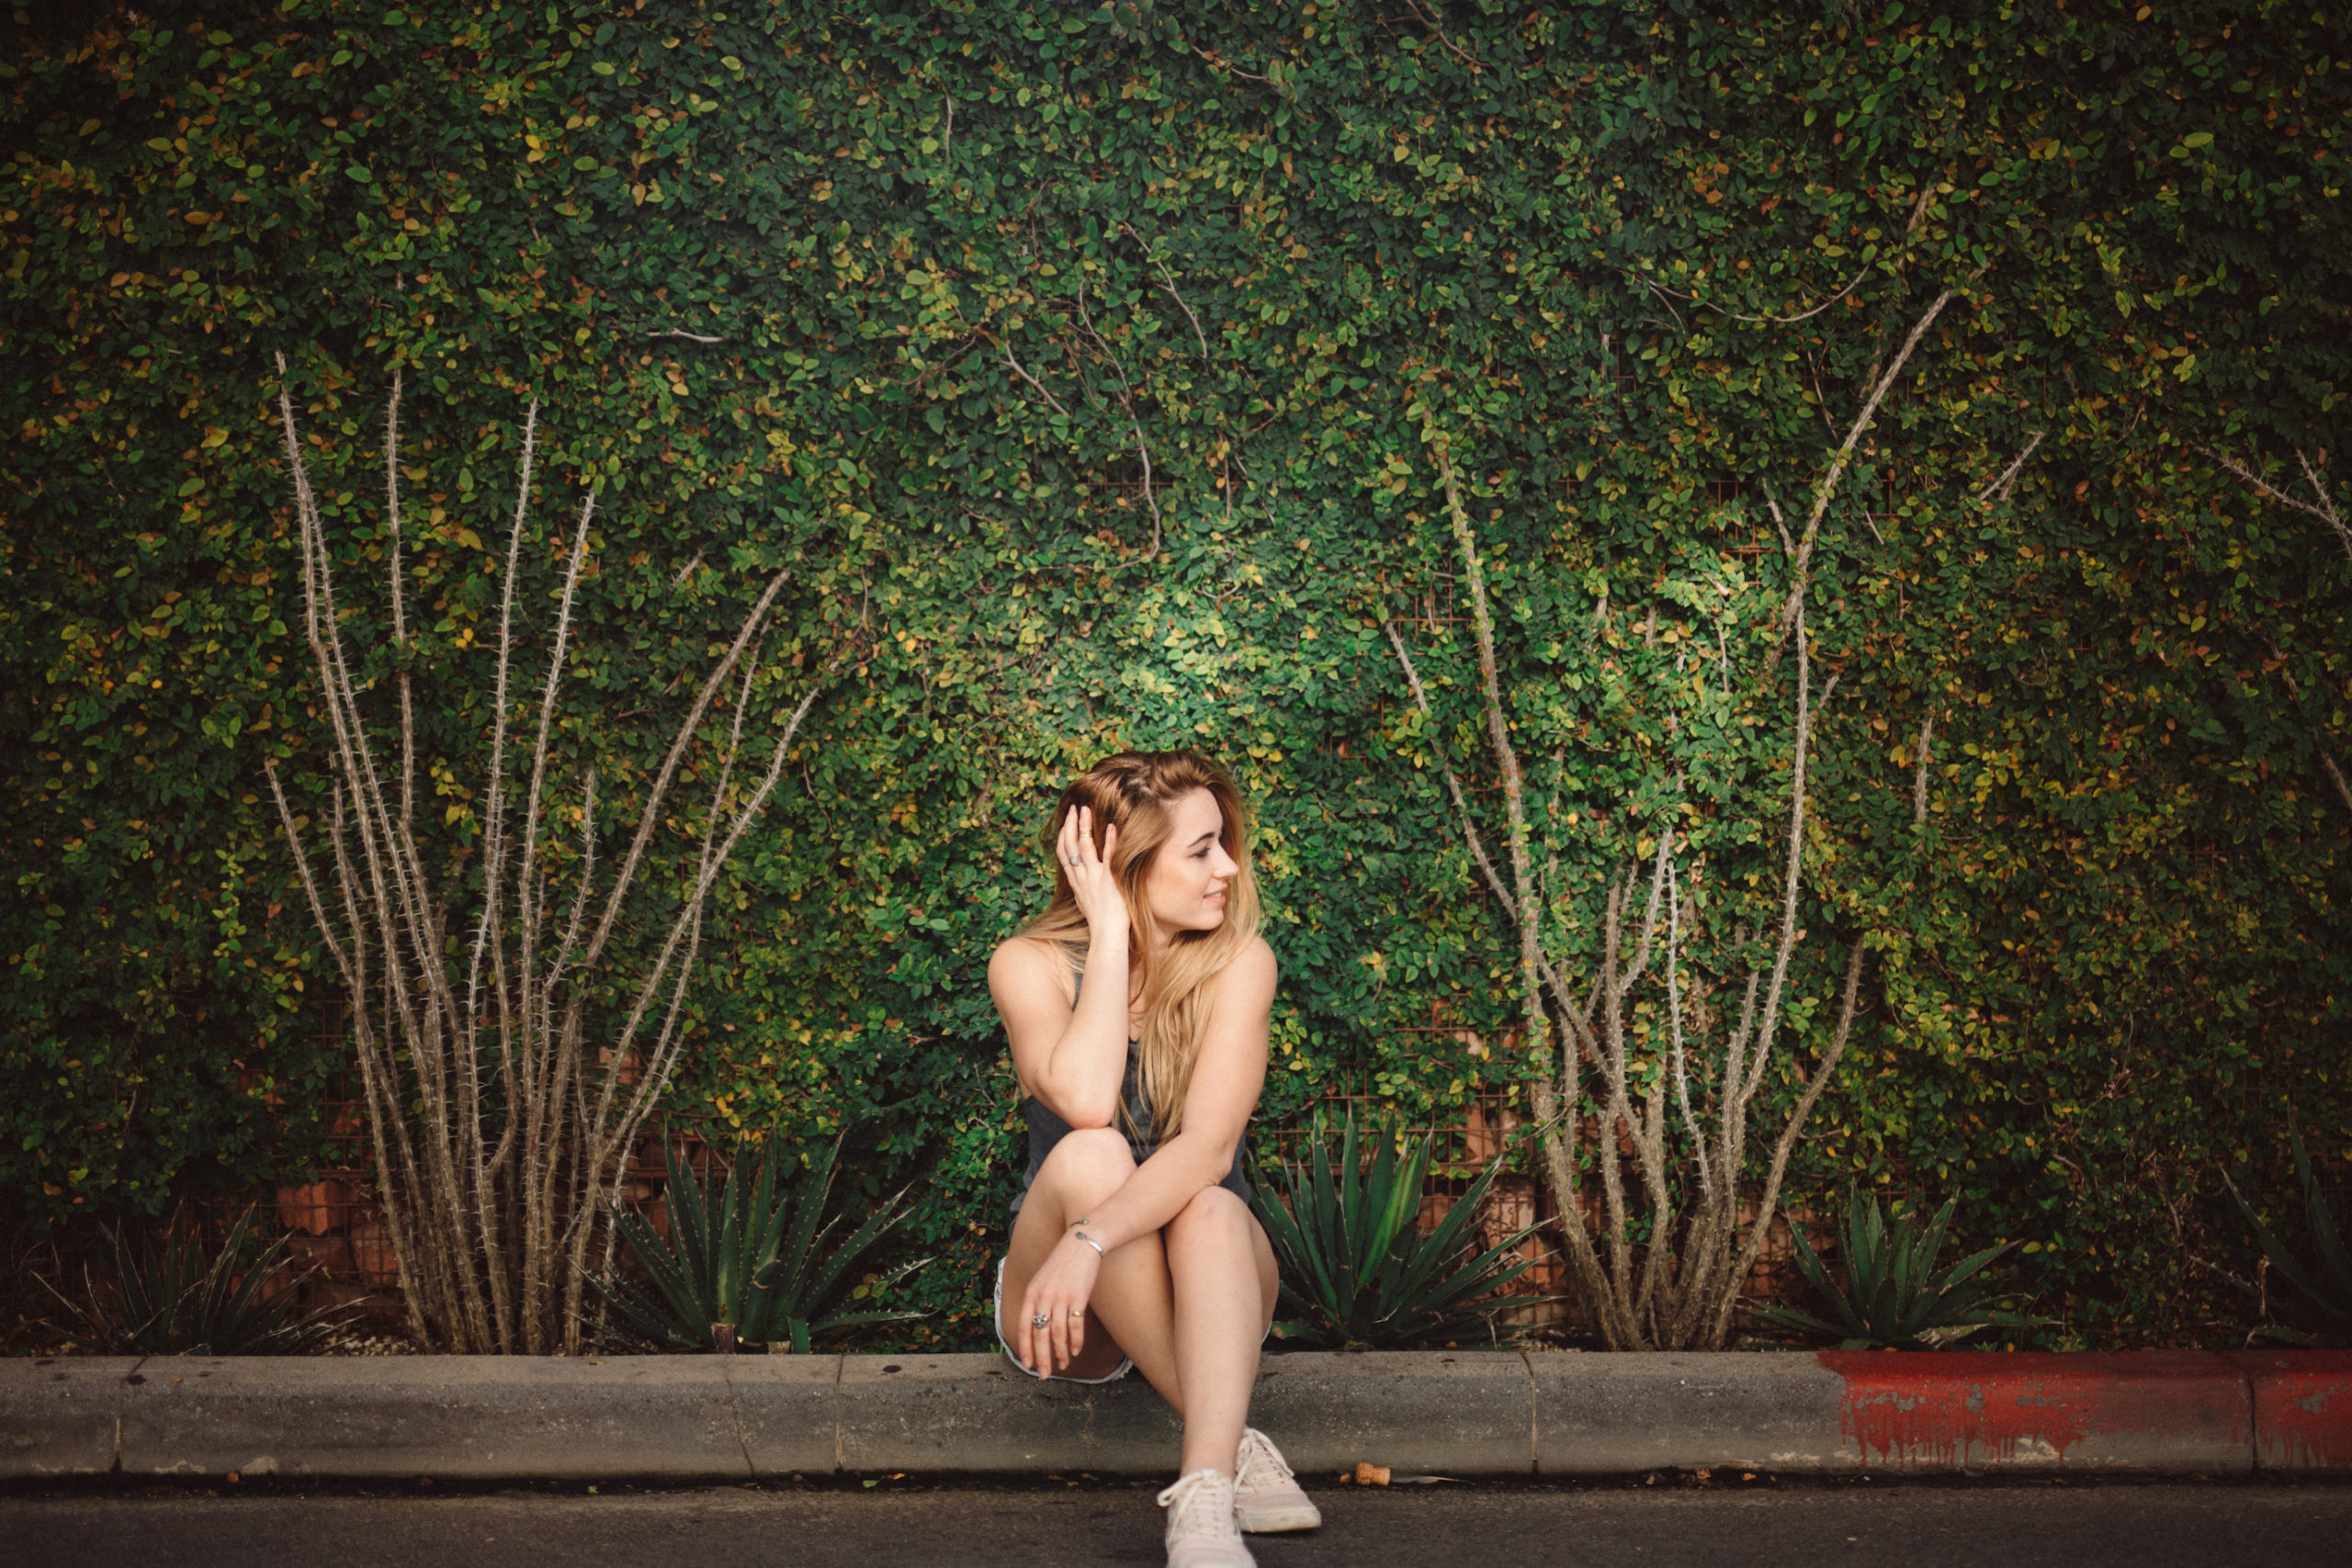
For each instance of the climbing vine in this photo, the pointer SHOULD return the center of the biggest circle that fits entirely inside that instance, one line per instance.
(1083, 363)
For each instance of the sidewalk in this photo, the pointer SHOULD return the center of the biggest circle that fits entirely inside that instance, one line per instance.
(1452, 1413)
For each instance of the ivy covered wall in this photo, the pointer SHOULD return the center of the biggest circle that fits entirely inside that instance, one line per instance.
(1086, 360)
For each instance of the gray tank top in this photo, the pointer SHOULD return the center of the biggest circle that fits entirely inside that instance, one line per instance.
(1045, 1129)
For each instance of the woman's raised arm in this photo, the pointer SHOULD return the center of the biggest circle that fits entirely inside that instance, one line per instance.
(1073, 1061)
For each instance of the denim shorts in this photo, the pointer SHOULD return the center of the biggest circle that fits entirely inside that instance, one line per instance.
(996, 1317)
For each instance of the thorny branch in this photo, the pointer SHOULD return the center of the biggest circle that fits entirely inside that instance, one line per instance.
(1679, 1288)
(487, 1198)
(1826, 487)
(1999, 488)
(2324, 510)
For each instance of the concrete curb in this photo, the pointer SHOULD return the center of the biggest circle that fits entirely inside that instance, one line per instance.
(1452, 1413)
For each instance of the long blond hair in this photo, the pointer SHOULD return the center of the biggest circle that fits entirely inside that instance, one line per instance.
(1134, 790)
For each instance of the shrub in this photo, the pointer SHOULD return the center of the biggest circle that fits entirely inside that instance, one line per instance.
(1893, 1298)
(747, 1265)
(1354, 1268)
(181, 1298)
(2324, 1285)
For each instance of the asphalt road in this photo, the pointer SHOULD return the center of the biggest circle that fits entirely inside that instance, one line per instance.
(2151, 1524)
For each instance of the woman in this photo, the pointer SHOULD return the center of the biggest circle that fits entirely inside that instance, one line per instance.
(1137, 1008)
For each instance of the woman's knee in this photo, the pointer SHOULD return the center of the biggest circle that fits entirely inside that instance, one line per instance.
(1213, 1213)
(1096, 1158)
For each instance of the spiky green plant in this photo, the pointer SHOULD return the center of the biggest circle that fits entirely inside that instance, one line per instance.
(181, 1298)
(2326, 1290)
(1894, 1298)
(747, 1264)
(1354, 1270)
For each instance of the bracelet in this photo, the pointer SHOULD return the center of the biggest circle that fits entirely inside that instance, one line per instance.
(1090, 1241)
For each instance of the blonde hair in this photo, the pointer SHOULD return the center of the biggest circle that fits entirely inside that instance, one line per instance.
(1134, 790)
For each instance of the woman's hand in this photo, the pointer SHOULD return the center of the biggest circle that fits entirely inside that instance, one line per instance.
(1058, 1292)
(1097, 891)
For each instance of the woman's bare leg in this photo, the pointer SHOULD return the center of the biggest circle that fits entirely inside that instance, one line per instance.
(1134, 1309)
(1130, 1310)
(1222, 1271)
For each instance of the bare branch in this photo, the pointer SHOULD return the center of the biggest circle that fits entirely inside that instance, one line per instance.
(1664, 299)
(1920, 773)
(1217, 63)
(526, 870)
(1506, 754)
(310, 884)
(1918, 211)
(690, 337)
(2326, 501)
(1793, 872)
(1015, 365)
(570, 943)
(1828, 487)
(1454, 785)
(651, 814)
(1452, 47)
(477, 1241)
(2325, 510)
(615, 1133)
(1769, 1202)
(1168, 282)
(1999, 488)
(392, 504)
(400, 613)
(493, 857)
(1126, 403)
(2319, 743)
(1680, 1062)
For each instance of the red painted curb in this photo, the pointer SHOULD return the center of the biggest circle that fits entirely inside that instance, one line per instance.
(1967, 1409)
(2302, 1407)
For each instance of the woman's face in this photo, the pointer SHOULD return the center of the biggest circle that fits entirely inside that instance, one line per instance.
(1186, 884)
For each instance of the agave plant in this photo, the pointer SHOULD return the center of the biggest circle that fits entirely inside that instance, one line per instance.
(1894, 1298)
(749, 1266)
(1354, 1269)
(182, 1299)
(2326, 1291)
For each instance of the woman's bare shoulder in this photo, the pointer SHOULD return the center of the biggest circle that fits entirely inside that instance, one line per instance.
(1028, 963)
(1252, 969)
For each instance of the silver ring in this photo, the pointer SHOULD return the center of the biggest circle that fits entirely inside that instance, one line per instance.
(1041, 1321)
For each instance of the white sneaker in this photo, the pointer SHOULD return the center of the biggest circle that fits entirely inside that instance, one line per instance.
(1200, 1523)
(1266, 1497)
